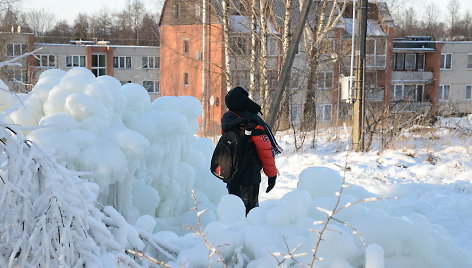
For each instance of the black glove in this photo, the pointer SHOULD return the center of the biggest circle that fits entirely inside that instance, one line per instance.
(271, 183)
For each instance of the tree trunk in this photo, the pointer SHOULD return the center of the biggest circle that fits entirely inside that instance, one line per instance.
(284, 120)
(253, 66)
(264, 87)
(225, 20)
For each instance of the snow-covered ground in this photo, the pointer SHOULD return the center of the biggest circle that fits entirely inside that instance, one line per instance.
(409, 206)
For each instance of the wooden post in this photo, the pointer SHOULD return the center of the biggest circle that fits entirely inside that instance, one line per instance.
(358, 109)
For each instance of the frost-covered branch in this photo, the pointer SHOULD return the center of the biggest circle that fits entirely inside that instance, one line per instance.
(13, 61)
(197, 229)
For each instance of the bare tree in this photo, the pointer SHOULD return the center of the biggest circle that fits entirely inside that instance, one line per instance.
(81, 27)
(39, 21)
(453, 8)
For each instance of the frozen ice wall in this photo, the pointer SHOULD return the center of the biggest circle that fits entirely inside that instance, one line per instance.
(143, 155)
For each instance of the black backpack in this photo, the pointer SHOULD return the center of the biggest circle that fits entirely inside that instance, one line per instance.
(228, 157)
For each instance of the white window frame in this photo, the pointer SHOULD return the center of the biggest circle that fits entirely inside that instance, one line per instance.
(154, 83)
(146, 61)
(49, 63)
(324, 81)
(239, 45)
(469, 62)
(272, 46)
(323, 116)
(442, 91)
(13, 74)
(126, 64)
(198, 10)
(22, 49)
(74, 58)
(468, 92)
(408, 64)
(444, 60)
(100, 69)
(400, 88)
(423, 62)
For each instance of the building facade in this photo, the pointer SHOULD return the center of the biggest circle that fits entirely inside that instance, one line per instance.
(129, 64)
(193, 60)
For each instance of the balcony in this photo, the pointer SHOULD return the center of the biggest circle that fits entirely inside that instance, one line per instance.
(406, 107)
(412, 77)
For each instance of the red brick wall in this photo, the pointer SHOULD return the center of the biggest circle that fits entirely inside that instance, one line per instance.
(174, 64)
(94, 49)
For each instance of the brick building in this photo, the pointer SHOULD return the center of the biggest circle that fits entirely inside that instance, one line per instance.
(129, 64)
(184, 69)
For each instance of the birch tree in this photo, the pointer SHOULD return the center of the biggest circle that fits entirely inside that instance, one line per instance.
(327, 15)
(225, 20)
(264, 84)
(253, 66)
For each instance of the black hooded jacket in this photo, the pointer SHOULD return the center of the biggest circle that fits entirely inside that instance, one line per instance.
(242, 114)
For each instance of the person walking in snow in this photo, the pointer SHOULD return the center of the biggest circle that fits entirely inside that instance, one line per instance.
(260, 152)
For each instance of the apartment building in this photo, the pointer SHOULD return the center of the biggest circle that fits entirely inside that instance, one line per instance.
(433, 75)
(129, 64)
(184, 39)
(455, 79)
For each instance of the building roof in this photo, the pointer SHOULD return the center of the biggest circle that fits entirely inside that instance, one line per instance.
(373, 28)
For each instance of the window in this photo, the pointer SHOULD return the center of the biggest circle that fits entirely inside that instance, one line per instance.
(399, 62)
(380, 46)
(323, 112)
(122, 62)
(272, 46)
(469, 61)
(420, 61)
(16, 49)
(446, 61)
(408, 92)
(370, 47)
(444, 92)
(325, 81)
(468, 92)
(186, 46)
(150, 63)
(239, 45)
(45, 60)
(151, 86)
(186, 79)
(420, 93)
(75, 61)
(410, 61)
(16, 75)
(198, 10)
(99, 64)
(176, 10)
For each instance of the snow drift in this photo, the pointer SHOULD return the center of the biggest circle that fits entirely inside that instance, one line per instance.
(145, 160)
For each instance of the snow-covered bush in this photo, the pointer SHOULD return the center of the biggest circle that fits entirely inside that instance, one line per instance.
(48, 218)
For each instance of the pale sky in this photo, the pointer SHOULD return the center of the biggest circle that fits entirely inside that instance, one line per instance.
(68, 9)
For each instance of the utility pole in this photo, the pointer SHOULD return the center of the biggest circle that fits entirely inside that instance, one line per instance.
(287, 65)
(358, 109)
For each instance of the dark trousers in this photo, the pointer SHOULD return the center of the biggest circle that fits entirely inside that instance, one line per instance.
(248, 193)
